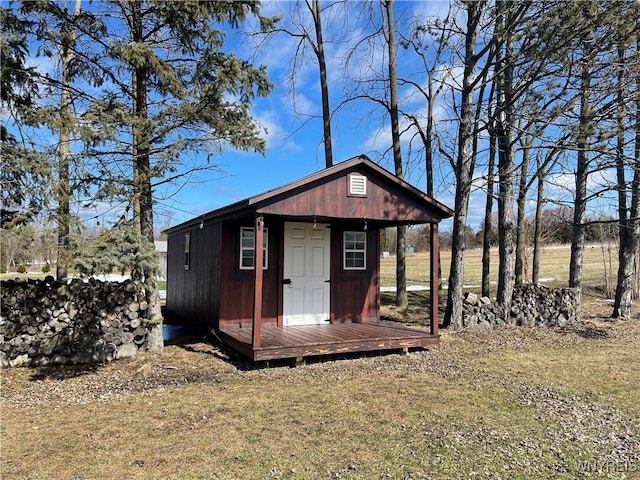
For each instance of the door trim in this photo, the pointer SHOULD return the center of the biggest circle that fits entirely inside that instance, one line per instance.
(316, 289)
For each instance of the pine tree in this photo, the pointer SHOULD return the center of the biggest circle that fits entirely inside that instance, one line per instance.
(22, 168)
(173, 93)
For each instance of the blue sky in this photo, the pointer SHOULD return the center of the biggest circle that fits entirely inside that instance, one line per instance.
(294, 143)
(291, 116)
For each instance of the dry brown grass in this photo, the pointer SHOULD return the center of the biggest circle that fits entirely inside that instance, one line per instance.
(508, 403)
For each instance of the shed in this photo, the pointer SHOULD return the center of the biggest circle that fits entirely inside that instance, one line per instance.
(314, 286)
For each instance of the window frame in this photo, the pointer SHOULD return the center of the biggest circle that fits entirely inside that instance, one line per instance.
(346, 250)
(242, 249)
(187, 251)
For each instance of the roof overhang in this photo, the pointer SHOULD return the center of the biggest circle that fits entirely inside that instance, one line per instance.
(424, 209)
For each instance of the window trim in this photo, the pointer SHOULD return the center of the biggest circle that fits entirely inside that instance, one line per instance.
(345, 250)
(265, 248)
(187, 251)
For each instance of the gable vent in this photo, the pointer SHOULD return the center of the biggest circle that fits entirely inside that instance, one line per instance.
(357, 185)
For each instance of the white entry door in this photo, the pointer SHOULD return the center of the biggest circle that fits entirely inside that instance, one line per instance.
(306, 274)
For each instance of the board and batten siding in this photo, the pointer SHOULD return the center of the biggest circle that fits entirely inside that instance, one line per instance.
(355, 294)
(194, 294)
(236, 289)
(215, 292)
(329, 198)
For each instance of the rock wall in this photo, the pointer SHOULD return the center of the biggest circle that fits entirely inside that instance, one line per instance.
(44, 322)
(532, 306)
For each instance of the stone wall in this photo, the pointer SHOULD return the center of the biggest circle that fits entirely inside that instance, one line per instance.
(532, 306)
(44, 322)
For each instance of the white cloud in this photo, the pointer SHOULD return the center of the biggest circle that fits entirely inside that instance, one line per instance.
(425, 11)
(274, 135)
(304, 106)
(559, 185)
(380, 139)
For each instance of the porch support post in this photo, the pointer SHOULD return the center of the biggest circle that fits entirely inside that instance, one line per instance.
(435, 248)
(257, 282)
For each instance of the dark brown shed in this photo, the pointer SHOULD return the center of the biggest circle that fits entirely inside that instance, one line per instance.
(314, 286)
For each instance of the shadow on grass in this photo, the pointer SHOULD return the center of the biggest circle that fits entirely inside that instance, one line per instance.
(415, 314)
(207, 343)
(64, 372)
(586, 331)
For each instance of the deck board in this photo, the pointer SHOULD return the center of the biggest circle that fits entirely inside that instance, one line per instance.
(308, 340)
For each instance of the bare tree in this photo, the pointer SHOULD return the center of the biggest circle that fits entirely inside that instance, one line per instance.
(582, 145)
(389, 32)
(318, 49)
(310, 34)
(628, 213)
(421, 39)
(464, 162)
(487, 231)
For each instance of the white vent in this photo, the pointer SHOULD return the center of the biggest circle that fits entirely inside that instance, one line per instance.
(357, 185)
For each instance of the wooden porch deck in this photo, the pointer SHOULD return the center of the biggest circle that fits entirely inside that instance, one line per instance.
(297, 342)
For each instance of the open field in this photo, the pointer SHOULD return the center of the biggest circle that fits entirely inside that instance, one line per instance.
(554, 266)
(600, 267)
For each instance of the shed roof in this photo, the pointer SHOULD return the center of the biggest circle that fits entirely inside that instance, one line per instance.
(398, 202)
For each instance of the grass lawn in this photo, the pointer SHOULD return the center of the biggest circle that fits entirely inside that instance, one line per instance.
(510, 403)
(507, 403)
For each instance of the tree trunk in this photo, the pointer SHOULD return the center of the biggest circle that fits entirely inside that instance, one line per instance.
(585, 130)
(453, 312)
(537, 237)
(64, 189)
(142, 186)
(401, 264)
(504, 124)
(428, 149)
(324, 88)
(521, 237)
(629, 223)
(582, 164)
(488, 228)
(402, 298)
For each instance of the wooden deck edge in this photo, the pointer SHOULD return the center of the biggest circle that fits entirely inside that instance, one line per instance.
(415, 335)
(373, 340)
(244, 348)
(344, 347)
(375, 344)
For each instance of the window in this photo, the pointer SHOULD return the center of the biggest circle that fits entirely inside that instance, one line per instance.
(357, 185)
(187, 247)
(247, 248)
(355, 249)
